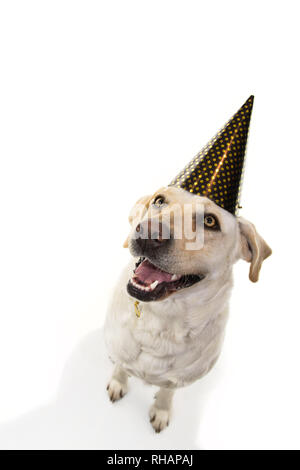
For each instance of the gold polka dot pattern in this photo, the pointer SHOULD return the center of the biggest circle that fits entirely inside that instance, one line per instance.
(217, 170)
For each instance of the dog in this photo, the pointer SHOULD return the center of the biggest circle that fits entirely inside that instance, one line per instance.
(167, 318)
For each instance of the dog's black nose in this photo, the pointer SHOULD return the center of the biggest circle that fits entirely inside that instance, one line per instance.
(151, 234)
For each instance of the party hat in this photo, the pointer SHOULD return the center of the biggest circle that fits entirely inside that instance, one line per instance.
(216, 171)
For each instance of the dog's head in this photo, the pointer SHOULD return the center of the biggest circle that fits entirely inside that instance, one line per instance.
(181, 239)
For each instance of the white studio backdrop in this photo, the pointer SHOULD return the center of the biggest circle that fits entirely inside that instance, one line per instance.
(101, 103)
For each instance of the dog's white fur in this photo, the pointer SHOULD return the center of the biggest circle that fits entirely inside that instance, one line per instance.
(177, 340)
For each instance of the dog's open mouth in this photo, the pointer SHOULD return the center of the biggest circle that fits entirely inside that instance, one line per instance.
(150, 283)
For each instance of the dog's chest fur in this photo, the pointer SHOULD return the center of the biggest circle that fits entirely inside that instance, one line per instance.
(175, 341)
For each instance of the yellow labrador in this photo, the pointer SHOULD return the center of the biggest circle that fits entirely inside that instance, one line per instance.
(167, 318)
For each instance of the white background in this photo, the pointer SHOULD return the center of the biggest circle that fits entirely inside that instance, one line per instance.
(101, 103)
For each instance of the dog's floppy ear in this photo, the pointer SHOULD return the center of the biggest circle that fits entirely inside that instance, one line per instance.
(254, 249)
(137, 213)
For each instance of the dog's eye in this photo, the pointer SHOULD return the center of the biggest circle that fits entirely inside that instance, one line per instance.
(210, 221)
(159, 201)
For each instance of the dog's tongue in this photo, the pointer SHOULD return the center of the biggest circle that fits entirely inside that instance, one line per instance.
(148, 273)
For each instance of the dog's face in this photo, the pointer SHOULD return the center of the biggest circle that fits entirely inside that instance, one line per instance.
(181, 239)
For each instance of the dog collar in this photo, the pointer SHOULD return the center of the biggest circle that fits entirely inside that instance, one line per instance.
(137, 309)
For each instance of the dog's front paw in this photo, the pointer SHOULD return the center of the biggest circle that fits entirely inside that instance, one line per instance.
(159, 418)
(116, 390)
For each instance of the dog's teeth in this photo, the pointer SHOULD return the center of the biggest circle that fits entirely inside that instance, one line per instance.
(145, 288)
(139, 286)
(153, 285)
(136, 284)
(174, 277)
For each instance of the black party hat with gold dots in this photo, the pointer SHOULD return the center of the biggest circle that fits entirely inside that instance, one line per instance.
(217, 170)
